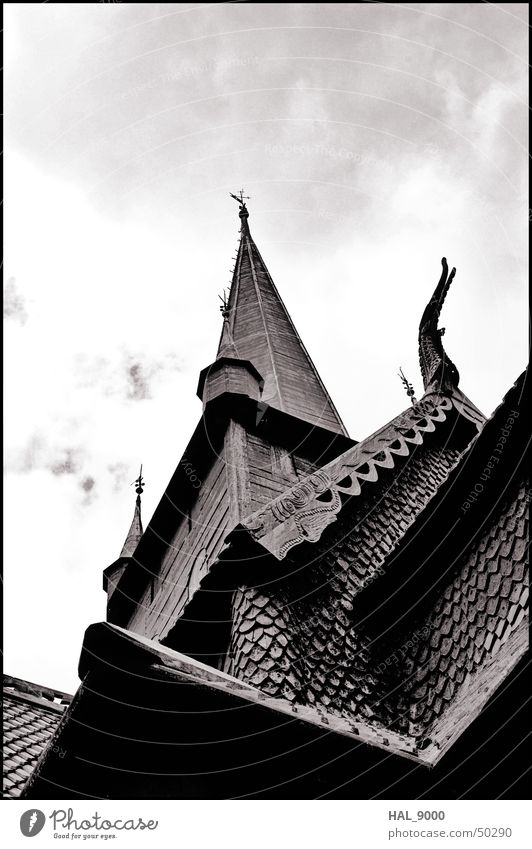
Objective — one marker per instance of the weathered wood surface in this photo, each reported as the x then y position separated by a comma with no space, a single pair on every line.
246,473
198,537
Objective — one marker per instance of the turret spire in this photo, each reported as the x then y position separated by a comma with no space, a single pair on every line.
257,328
135,531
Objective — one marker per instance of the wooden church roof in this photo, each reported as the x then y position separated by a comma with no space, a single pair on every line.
408,626
31,714
318,628
403,447
381,598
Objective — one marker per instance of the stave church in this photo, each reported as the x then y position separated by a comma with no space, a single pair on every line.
306,615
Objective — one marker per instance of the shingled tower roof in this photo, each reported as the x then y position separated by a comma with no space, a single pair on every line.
257,328
135,531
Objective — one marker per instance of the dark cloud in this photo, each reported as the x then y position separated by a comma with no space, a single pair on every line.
38,453
68,463
88,484
136,377
14,303
138,385
142,373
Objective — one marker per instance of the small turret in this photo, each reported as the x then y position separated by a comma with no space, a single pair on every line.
112,574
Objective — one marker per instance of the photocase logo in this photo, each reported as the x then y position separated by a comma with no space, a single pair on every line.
32,822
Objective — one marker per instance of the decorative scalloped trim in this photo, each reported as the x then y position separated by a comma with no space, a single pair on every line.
301,511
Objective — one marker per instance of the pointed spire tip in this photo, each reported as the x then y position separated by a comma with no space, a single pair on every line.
139,483
136,530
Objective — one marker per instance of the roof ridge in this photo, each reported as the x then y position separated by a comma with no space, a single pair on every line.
21,687
303,511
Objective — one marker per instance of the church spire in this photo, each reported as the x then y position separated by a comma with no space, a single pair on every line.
135,531
257,328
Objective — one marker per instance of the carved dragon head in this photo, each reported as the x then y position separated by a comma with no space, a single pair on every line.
438,371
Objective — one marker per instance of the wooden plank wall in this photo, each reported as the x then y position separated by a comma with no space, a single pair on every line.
246,474
197,540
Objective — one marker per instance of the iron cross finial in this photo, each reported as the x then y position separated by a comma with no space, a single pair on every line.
139,483
240,197
408,386
224,309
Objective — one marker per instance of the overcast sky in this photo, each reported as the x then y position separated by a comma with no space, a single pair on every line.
373,139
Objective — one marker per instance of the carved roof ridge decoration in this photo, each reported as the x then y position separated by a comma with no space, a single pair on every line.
302,513
437,369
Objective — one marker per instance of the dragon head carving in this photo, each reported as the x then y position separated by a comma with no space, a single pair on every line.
438,371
